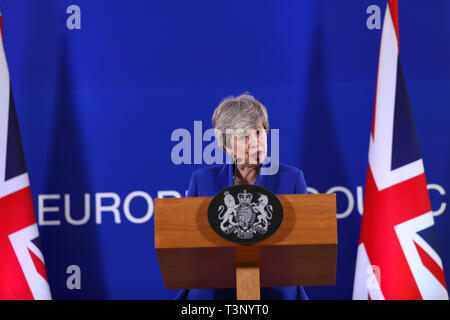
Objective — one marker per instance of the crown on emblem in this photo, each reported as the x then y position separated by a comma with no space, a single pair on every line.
245,197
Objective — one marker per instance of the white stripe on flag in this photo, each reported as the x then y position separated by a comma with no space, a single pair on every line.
21,181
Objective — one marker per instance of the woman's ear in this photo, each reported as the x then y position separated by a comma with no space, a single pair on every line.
228,148
229,152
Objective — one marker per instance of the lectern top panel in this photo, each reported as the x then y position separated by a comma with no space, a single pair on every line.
183,223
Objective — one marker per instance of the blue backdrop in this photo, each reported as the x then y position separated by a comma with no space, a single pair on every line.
97,107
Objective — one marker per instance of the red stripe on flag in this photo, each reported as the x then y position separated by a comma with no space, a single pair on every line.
17,213
372,131
383,210
1,26
431,265
393,8
13,284
40,266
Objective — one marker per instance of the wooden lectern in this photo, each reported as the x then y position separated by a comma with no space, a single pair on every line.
302,252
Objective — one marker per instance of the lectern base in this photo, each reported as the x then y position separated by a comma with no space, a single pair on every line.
248,282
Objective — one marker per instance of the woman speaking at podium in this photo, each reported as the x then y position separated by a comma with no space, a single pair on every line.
241,125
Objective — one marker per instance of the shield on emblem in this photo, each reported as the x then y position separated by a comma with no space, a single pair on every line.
245,216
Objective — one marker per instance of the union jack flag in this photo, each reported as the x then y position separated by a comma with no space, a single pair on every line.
397,254
22,268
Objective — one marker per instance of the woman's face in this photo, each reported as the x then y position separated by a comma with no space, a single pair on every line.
249,146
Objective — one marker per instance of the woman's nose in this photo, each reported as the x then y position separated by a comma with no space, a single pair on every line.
254,143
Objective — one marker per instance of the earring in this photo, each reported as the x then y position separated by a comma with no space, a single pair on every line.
238,160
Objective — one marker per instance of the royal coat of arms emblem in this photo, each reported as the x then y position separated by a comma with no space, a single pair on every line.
245,213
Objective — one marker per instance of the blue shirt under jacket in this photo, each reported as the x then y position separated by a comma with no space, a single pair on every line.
207,182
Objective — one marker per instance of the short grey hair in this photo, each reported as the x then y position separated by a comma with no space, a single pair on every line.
238,113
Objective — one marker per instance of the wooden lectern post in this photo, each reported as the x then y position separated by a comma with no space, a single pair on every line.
247,282
302,252
247,273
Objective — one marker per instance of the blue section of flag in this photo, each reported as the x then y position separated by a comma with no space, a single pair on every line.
15,161
405,147
429,235
37,243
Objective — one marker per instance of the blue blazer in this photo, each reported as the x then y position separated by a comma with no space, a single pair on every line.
207,182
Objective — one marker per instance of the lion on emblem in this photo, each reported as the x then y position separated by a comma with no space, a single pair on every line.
228,214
